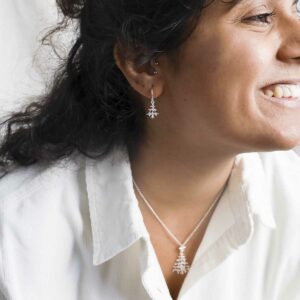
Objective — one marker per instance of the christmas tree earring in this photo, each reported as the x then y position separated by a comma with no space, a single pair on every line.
152,111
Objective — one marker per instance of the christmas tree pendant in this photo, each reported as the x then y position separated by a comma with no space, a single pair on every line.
181,265
152,112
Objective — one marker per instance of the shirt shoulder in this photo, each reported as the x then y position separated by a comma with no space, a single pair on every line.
38,180
282,169
288,161
282,173
34,202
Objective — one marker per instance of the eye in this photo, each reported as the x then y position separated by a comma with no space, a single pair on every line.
296,4
262,18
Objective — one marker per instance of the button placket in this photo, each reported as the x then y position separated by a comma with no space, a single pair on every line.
152,277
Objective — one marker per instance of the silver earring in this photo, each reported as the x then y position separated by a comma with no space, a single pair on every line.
155,63
152,111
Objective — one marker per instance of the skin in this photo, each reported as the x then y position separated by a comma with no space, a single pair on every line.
211,109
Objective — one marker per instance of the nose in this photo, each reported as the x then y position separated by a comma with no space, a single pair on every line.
290,46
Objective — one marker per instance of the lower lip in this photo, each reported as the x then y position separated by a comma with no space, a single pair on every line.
286,102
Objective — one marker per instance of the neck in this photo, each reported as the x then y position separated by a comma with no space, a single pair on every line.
180,182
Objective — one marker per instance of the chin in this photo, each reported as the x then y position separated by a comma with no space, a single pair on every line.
283,141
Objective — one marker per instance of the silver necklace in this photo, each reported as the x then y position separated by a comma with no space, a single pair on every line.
181,266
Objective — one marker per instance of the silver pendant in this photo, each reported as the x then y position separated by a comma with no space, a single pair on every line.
181,265
152,111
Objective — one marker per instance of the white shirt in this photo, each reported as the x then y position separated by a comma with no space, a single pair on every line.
74,231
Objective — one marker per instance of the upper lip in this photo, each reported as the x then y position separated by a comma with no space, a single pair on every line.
284,81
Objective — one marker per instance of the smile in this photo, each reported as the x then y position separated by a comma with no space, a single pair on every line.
292,103
284,95
283,91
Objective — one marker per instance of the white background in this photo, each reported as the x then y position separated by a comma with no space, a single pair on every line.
25,66
23,71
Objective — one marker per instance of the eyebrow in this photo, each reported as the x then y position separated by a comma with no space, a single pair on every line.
234,3
231,4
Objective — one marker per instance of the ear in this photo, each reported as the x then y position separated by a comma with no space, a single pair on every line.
141,78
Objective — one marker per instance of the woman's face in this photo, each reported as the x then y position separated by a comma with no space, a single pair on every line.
232,56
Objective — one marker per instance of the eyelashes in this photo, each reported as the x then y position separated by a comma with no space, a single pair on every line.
262,18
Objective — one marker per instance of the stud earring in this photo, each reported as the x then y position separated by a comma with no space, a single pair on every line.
152,111
155,63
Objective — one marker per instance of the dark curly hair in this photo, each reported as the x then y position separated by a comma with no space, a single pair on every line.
89,107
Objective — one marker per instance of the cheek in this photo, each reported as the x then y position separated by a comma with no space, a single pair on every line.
235,60
229,67
219,66
221,76
229,52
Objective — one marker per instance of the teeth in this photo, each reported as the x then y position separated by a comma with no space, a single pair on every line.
279,91
283,91
269,93
286,92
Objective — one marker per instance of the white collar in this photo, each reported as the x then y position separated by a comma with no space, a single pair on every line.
249,176
116,219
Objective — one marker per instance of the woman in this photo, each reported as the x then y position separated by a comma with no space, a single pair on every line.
159,166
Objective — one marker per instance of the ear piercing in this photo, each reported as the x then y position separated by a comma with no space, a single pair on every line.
152,111
155,63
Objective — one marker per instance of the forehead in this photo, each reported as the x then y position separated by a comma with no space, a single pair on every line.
233,3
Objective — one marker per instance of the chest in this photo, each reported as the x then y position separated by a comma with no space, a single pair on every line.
168,253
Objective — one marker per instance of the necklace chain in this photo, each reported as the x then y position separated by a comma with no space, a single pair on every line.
164,225
181,265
